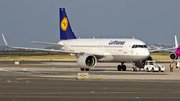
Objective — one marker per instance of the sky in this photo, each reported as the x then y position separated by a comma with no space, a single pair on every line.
152,21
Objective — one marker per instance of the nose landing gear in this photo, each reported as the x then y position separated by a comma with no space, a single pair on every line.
134,69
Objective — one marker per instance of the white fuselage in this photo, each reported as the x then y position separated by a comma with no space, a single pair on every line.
112,49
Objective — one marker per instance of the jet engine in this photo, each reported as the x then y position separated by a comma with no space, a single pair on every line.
86,61
173,56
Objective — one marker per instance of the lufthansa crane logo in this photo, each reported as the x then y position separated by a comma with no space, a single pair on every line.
64,24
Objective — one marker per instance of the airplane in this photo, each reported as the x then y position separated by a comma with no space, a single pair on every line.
174,54
91,51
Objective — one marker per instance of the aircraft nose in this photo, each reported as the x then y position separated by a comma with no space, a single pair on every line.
145,53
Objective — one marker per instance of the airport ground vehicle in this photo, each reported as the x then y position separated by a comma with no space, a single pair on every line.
152,66
177,63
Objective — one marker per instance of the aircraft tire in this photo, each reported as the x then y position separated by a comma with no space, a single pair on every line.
124,67
82,69
133,69
119,67
86,69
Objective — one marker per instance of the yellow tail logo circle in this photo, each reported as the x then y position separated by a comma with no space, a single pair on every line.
64,24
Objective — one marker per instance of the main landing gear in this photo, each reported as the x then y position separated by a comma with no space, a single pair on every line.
121,67
84,69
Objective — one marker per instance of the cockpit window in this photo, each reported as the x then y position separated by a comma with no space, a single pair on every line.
139,46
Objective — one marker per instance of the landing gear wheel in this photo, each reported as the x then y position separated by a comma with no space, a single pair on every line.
134,69
124,68
86,69
119,67
82,69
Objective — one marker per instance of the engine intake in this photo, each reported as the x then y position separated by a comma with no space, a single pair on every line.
173,56
86,61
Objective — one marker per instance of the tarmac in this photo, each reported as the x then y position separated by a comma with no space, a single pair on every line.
55,81
105,71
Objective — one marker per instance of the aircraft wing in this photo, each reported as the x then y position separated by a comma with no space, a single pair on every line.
45,43
167,50
47,50
39,49
98,55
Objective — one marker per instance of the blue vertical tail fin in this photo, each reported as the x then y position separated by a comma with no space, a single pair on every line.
65,28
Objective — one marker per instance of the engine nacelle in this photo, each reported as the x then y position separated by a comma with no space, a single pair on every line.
173,56
86,61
